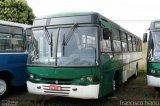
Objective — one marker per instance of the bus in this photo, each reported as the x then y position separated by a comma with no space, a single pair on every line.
80,55
153,54
13,57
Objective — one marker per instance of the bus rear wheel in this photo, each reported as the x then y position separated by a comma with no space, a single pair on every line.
3,88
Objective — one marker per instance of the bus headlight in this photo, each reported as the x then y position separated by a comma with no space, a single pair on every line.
31,76
90,78
83,78
34,77
153,71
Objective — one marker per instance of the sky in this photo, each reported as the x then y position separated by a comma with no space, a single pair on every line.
133,15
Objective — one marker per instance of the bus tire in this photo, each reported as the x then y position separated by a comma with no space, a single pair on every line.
3,88
115,82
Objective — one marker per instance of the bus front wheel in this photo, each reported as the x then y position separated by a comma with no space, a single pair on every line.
3,88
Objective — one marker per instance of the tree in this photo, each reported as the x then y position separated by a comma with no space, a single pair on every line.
16,11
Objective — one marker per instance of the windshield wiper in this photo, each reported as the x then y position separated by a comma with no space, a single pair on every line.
95,56
69,35
51,43
49,38
63,44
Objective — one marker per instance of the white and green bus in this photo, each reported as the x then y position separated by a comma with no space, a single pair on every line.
80,55
153,55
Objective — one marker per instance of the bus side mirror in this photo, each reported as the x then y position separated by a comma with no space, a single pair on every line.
144,37
106,34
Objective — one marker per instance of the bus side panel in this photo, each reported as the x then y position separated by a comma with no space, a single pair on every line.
106,83
109,68
16,64
126,67
130,60
106,72
134,58
118,68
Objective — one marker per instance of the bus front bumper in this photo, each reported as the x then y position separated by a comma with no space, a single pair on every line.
153,81
75,91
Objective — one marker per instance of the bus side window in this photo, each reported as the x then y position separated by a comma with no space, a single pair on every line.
138,45
124,42
28,41
116,40
17,43
134,43
5,42
130,42
106,45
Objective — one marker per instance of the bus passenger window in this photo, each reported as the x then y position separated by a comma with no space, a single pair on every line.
130,42
5,42
134,43
137,45
140,46
17,43
106,45
116,40
124,41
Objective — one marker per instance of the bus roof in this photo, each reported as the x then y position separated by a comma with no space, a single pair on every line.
69,14
2,22
115,25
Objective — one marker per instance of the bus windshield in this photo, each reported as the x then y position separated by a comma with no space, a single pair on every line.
64,46
154,47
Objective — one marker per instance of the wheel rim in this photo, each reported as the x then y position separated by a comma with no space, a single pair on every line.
3,87
136,71
114,85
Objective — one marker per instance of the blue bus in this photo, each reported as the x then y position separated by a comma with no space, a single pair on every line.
13,56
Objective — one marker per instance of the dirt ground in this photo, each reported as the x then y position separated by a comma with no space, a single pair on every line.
134,92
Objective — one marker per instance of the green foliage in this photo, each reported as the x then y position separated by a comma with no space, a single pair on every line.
16,11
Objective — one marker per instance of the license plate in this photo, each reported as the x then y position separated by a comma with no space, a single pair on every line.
55,87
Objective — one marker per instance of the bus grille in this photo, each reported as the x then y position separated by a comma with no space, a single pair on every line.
57,81
63,92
